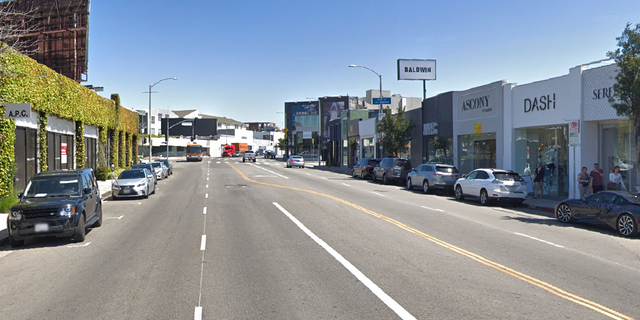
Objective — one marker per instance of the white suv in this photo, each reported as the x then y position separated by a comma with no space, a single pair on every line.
492,184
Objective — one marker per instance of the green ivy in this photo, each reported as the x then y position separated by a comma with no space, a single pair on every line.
42,140
80,154
7,160
113,136
128,149
134,148
102,147
121,152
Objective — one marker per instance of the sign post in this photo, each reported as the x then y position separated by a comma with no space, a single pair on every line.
574,141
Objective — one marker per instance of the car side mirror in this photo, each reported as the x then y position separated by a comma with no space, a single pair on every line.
86,190
464,176
20,195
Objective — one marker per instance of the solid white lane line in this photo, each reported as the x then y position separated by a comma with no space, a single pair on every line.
204,210
197,314
382,195
440,210
206,195
203,242
346,184
392,304
267,170
543,241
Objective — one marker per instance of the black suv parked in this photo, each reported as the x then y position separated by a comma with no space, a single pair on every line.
391,170
56,204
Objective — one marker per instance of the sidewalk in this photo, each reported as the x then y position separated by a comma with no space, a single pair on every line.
105,191
547,204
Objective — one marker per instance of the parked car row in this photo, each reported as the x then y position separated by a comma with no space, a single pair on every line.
65,203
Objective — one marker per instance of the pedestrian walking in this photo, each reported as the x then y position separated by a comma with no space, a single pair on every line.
615,180
583,183
538,181
597,177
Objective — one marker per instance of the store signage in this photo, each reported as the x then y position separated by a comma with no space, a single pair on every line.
17,110
603,93
476,105
540,103
63,153
477,127
415,69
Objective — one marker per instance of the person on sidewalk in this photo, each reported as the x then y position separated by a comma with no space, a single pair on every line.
597,179
583,183
538,181
615,180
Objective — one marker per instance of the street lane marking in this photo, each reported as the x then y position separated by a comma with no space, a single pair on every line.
267,170
4,254
206,195
440,210
207,186
217,161
204,210
382,195
344,184
203,242
207,178
307,173
392,304
119,218
325,178
80,245
478,258
197,314
534,238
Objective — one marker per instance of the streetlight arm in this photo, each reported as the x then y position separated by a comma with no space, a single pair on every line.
357,66
172,78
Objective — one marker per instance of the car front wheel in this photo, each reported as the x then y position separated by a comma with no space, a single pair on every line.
459,194
384,179
627,225
80,233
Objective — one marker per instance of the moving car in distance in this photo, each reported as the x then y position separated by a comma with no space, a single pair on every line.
56,204
248,156
295,161
489,185
364,167
615,209
195,152
270,154
228,150
431,176
133,183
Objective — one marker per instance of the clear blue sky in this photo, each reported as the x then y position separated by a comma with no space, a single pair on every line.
244,59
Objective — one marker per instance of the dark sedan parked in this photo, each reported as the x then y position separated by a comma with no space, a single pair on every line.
364,167
618,210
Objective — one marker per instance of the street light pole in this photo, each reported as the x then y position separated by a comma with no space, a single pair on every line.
380,108
149,115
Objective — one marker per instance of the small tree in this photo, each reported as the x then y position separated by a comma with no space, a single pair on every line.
626,97
396,131
442,144
281,144
16,26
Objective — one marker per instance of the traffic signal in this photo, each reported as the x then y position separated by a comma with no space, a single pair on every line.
262,127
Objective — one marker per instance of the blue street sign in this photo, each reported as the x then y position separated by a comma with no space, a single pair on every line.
382,100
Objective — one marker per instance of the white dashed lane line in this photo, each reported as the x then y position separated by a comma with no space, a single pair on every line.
344,184
534,238
203,242
267,170
204,210
439,210
382,195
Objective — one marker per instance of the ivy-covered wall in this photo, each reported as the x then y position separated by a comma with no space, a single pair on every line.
23,80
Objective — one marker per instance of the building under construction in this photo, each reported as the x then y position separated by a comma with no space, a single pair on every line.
53,32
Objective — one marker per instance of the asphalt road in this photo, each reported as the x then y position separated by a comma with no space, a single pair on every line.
231,240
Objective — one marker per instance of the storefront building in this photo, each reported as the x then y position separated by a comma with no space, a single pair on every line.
607,138
367,135
437,129
478,127
302,124
539,114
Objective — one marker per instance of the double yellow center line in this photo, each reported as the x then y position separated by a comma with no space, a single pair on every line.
529,279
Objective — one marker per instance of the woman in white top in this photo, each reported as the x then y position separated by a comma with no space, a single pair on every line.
616,177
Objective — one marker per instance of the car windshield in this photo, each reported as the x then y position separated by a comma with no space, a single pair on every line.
447,169
132,174
507,176
194,149
157,165
296,157
52,187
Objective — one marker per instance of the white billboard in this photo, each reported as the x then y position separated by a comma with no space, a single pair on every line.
415,69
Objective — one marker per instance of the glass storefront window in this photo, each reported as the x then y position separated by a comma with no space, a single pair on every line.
618,149
440,149
368,148
549,146
476,151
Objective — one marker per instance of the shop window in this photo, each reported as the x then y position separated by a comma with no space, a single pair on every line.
477,151
439,149
548,146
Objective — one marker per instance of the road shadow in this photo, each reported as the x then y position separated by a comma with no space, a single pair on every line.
45,242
